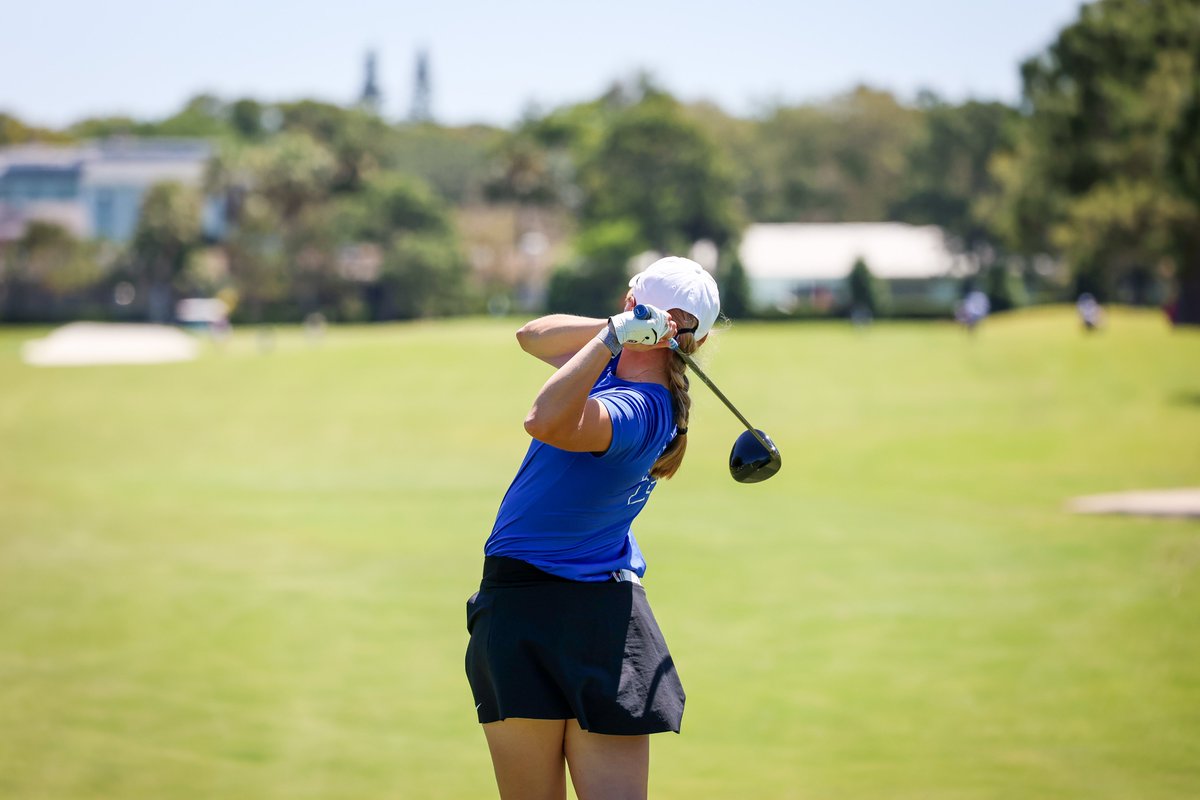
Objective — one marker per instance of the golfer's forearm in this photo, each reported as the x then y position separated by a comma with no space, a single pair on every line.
559,415
557,337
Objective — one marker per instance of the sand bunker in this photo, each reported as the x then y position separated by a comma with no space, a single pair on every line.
87,343
1159,503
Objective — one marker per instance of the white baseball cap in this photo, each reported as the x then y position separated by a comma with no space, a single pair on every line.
675,282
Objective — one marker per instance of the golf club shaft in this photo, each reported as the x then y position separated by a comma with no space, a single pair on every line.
700,374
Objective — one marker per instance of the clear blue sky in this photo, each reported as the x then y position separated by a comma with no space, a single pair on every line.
65,59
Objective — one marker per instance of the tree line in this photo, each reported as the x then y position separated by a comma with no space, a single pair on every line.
333,209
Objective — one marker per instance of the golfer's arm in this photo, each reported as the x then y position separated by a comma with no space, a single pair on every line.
557,337
563,415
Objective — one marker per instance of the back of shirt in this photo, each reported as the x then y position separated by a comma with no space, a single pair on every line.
570,513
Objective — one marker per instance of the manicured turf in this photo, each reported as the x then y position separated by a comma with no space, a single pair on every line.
244,577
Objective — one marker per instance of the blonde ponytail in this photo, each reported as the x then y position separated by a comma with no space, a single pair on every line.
677,381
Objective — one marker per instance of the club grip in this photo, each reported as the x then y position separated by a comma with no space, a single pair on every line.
641,312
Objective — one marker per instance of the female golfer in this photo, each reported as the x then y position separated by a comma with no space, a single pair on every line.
566,663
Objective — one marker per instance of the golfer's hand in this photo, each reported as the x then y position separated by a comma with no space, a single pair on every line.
655,328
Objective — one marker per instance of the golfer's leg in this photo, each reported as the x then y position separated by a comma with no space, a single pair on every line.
607,767
527,755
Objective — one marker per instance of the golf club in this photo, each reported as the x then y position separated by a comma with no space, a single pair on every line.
754,456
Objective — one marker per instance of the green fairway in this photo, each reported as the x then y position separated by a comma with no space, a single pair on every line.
245,576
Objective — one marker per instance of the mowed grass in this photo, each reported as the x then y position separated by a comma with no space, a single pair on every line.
244,577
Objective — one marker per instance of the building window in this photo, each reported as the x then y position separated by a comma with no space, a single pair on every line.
105,214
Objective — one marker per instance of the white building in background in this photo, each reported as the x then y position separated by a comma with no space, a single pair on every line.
797,266
95,189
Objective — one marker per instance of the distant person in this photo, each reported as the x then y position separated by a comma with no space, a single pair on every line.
861,316
1089,311
221,330
973,309
265,336
566,663
1171,309
314,327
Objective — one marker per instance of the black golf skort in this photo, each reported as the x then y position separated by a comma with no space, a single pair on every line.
544,647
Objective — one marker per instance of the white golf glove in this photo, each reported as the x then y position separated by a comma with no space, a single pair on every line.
644,325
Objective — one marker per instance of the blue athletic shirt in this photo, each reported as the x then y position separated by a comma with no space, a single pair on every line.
570,514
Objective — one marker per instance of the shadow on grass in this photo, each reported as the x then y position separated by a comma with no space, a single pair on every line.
1187,397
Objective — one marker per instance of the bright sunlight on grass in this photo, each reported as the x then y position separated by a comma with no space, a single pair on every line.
245,576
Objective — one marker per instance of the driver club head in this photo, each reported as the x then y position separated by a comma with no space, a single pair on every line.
750,462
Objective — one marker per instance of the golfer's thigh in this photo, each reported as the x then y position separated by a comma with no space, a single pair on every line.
527,755
607,767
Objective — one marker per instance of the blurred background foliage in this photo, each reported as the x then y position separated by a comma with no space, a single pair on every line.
336,210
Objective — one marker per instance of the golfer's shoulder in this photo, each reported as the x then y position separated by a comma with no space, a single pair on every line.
634,399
